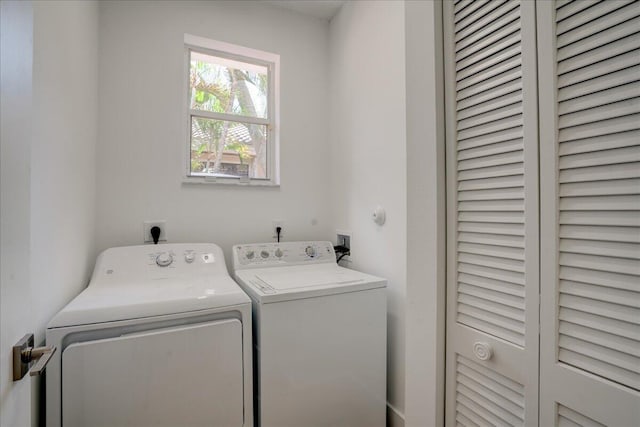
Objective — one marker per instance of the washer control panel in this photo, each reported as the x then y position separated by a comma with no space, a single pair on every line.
256,255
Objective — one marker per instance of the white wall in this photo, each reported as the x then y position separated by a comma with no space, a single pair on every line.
141,126
63,160
49,122
368,154
16,56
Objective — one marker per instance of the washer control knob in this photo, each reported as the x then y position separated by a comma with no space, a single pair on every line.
189,257
250,254
310,251
264,254
164,259
278,253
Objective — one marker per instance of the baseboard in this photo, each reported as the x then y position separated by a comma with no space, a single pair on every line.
394,417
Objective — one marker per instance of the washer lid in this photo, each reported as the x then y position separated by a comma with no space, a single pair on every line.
304,281
127,283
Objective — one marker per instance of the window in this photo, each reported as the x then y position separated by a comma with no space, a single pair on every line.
231,113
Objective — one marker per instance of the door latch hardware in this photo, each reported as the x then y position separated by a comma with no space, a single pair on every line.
24,353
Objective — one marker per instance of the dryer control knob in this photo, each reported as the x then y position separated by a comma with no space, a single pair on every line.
264,254
164,259
278,253
250,254
189,257
310,251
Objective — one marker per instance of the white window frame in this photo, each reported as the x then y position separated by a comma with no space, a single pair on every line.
252,56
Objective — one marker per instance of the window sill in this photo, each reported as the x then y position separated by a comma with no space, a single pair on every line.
229,181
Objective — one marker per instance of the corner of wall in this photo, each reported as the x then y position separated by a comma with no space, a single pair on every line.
425,216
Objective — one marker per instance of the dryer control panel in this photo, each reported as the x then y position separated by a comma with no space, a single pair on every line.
141,264
260,255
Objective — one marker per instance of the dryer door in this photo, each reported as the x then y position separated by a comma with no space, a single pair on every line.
181,376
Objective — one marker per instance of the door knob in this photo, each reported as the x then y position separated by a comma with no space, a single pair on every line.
482,350
24,353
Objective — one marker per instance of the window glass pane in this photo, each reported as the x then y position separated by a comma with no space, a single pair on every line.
228,149
228,86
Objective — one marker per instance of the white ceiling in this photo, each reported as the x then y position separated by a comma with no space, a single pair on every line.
323,9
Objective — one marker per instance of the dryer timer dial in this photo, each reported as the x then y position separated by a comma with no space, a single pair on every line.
164,259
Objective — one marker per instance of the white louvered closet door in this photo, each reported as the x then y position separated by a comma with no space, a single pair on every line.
492,213
590,212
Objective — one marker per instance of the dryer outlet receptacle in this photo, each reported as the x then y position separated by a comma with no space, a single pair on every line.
148,225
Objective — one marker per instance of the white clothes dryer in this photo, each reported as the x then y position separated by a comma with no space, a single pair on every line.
319,336
160,337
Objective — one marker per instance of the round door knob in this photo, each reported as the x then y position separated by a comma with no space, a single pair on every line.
164,259
250,254
482,350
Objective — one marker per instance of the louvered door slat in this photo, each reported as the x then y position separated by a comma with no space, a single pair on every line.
491,160
601,30
493,104
599,323
492,27
603,339
589,15
492,285
494,115
513,279
468,11
603,68
600,188
605,234
486,396
604,157
600,99
601,113
491,149
613,80
573,7
491,13
570,417
599,173
489,183
504,82
611,280
515,230
601,53
505,34
626,139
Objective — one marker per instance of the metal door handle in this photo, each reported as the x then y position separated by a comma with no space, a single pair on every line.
24,353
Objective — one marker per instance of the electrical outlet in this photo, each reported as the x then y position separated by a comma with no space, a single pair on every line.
343,238
277,223
146,229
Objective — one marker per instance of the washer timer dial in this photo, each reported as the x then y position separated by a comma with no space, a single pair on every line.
310,251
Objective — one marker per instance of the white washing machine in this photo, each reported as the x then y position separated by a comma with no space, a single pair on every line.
319,336
160,337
